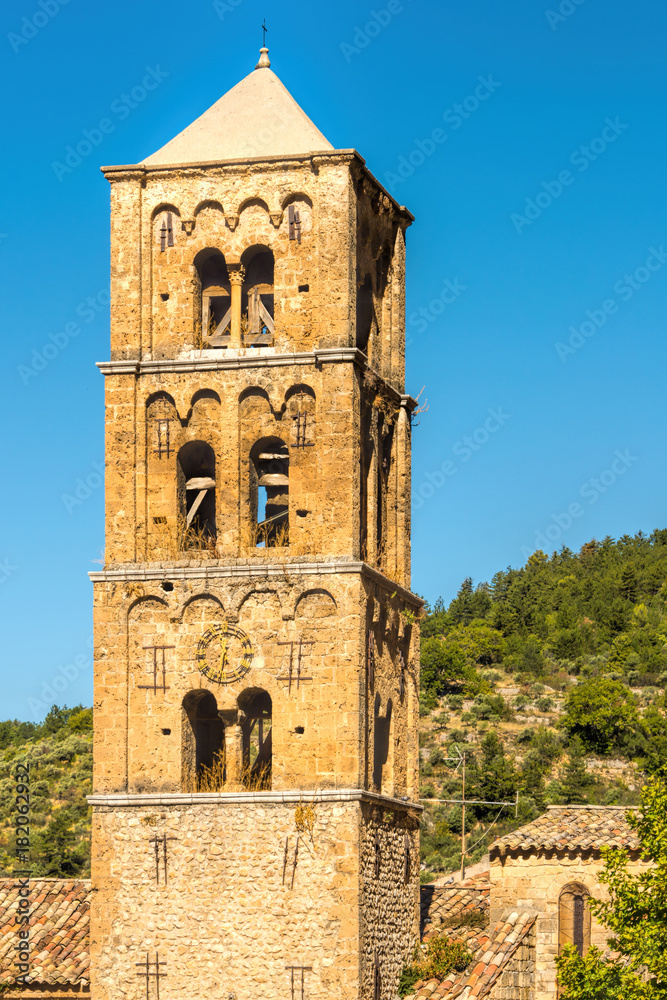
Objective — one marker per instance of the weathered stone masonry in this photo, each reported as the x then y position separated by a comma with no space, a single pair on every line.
256,640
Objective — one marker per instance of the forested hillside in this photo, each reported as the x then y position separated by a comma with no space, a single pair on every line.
59,752
552,680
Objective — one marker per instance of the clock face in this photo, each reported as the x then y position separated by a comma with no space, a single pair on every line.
224,653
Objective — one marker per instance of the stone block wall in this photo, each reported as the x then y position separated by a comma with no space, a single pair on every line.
234,910
349,479
351,236
534,882
517,981
333,729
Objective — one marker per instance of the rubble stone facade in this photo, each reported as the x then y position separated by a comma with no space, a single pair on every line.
256,640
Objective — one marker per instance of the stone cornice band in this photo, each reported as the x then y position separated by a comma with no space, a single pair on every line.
142,801
329,355
144,573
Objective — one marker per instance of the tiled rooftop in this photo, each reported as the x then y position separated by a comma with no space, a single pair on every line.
570,828
441,903
59,931
492,950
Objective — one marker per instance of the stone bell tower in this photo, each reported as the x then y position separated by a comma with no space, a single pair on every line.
255,806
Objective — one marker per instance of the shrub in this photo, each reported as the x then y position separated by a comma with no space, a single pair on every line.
442,956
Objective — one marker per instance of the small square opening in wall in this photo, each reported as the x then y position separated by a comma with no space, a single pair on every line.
166,732
167,586
302,513
304,288
164,296
300,730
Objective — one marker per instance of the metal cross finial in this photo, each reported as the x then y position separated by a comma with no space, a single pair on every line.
264,29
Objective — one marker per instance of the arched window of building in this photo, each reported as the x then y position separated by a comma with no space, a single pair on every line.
216,312
255,717
257,304
196,493
269,492
204,765
574,918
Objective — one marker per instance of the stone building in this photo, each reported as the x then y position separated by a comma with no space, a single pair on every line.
514,918
535,893
255,805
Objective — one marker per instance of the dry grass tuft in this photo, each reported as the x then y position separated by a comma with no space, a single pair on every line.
213,779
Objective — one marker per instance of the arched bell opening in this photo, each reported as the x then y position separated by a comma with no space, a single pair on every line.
255,711
257,298
269,492
204,758
215,298
196,495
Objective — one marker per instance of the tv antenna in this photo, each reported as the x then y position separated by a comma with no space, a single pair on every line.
460,762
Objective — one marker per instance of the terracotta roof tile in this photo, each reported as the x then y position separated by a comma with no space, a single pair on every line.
492,951
440,903
59,931
570,828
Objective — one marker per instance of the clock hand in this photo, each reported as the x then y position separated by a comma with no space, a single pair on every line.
223,656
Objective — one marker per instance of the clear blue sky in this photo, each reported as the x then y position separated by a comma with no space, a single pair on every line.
577,432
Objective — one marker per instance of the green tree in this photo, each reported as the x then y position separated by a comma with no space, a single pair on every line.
440,665
574,777
532,778
628,585
601,712
496,779
654,726
636,915
56,848
81,722
469,604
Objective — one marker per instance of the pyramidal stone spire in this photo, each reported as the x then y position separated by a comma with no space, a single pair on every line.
258,118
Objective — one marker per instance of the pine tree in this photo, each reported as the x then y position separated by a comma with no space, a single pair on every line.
628,586
497,780
574,776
